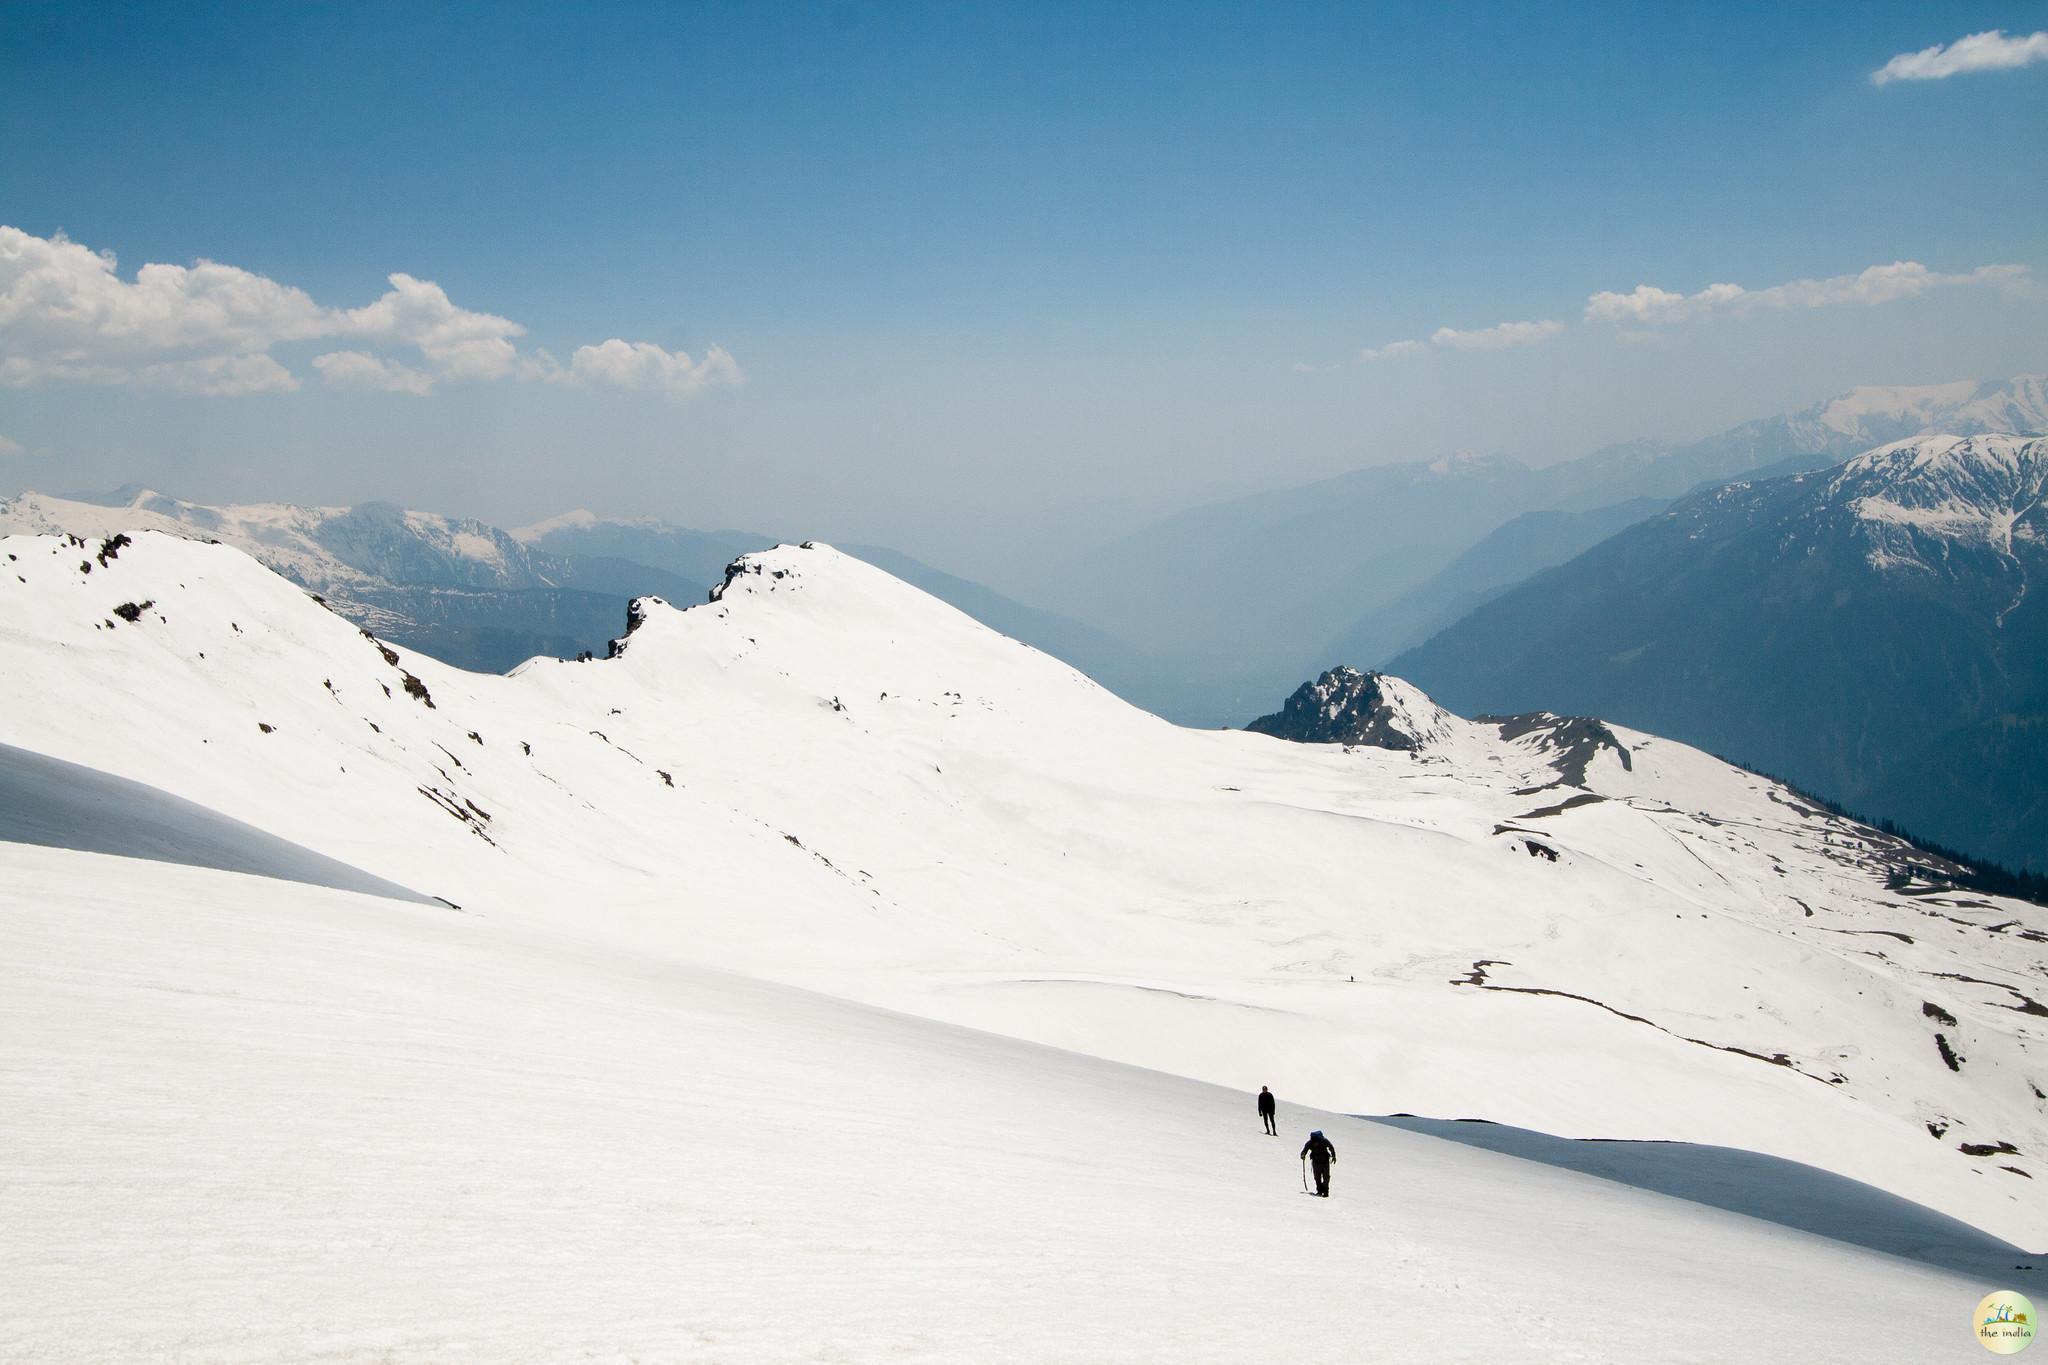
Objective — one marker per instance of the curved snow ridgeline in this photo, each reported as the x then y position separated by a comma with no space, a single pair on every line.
829,779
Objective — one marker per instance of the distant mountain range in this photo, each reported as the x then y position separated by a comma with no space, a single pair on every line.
463,591
486,599
1503,557
1445,567
1875,632
1253,593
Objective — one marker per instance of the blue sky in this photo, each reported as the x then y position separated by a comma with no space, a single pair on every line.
977,267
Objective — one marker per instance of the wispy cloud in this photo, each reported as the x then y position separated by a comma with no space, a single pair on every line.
67,317
1393,350
1498,337
1989,51
1649,306
642,365
10,448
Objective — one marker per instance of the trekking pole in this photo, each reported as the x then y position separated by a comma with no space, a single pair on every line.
1304,1175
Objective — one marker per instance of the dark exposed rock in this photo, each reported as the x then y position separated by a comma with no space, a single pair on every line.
1345,706
1987,1148
1574,740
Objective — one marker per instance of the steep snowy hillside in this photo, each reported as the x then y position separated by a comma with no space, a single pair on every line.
1874,632
250,1121
469,592
829,779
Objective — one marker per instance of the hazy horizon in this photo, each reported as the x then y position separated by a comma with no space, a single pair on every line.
979,285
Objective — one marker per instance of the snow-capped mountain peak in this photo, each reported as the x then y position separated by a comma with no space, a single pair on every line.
1983,491
1876,414
583,519
1347,706
1380,711
326,549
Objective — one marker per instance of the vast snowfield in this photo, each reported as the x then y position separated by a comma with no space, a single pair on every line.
684,1075
248,1120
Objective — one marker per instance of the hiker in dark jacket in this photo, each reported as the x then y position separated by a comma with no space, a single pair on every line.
1266,1107
1320,1152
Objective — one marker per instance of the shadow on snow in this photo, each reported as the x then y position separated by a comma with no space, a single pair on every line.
1764,1187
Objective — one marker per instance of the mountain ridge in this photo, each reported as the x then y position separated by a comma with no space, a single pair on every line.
1850,628
829,779
1360,554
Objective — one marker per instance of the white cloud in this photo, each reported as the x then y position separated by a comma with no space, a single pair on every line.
67,317
1498,337
1989,51
66,306
361,370
620,364
9,448
458,343
1648,306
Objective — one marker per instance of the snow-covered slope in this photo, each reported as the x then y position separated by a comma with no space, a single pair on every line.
829,779
1872,415
467,592
327,549
47,801
247,1121
1922,501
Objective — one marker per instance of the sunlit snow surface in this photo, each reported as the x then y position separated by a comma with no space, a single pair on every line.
250,1121
829,780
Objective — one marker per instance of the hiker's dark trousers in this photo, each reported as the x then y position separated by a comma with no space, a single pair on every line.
1322,1175
1270,1125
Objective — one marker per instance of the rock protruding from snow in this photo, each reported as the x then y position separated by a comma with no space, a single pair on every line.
1380,711
1346,706
1569,744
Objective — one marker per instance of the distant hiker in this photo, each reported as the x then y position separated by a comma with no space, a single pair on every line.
1320,1153
1266,1106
